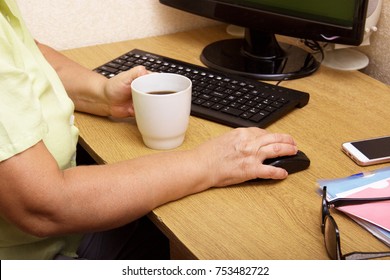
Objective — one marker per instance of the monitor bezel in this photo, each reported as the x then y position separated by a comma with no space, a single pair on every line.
280,24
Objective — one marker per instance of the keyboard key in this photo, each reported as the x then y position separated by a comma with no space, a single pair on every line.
232,111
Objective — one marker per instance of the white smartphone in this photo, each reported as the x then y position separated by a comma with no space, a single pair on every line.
368,151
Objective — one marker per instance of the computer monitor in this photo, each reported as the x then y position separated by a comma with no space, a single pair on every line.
259,55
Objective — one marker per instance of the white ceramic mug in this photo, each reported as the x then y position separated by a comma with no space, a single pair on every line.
162,104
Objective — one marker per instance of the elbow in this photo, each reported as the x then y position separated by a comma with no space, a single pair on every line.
38,232
40,224
34,227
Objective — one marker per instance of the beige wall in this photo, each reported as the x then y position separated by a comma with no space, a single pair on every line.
377,51
75,23
68,24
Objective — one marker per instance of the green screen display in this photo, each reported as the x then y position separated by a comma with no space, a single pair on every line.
338,12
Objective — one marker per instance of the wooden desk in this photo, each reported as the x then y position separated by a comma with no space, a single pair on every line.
267,220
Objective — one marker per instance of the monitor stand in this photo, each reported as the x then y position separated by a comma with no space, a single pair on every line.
259,56
345,59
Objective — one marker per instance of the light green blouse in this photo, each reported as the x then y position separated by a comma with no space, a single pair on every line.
34,106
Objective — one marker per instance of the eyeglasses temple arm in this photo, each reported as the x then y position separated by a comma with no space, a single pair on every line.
366,256
354,201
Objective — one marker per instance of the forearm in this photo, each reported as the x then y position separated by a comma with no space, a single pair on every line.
84,87
47,201
125,191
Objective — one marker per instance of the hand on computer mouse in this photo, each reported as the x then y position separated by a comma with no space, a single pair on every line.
236,156
291,164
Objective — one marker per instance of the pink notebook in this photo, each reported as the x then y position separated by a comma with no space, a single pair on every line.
377,213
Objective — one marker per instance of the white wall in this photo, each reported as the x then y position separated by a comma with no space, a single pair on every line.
76,23
65,24
378,51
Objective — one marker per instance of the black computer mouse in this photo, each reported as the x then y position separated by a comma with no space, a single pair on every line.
291,164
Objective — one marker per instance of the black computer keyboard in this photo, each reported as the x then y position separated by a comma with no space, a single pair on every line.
219,97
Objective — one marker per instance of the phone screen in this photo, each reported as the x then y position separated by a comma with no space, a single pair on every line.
374,148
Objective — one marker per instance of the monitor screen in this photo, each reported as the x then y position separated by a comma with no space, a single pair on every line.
259,55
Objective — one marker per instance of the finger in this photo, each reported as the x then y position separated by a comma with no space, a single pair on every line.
276,150
140,70
271,172
127,77
271,138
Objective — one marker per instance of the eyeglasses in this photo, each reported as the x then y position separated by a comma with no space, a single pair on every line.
331,231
